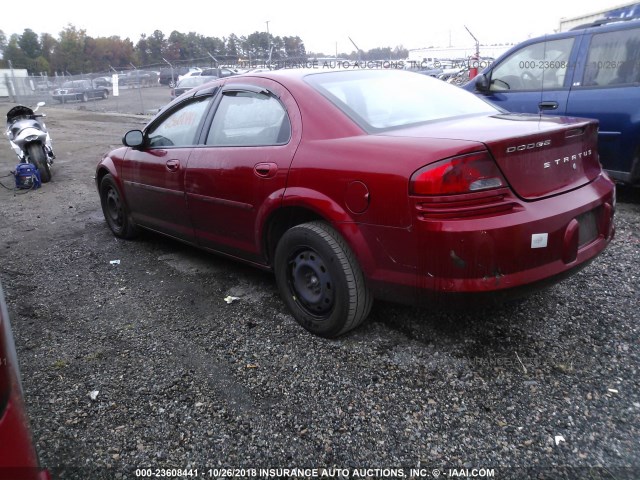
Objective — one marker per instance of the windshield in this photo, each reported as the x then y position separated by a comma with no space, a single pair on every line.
383,99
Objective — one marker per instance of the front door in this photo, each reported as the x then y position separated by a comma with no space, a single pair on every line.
535,78
154,176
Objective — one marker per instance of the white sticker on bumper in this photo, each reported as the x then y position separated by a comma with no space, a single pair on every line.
539,240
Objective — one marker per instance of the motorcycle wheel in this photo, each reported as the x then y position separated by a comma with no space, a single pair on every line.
39,159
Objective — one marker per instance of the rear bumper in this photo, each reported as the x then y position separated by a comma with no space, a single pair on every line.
66,96
496,248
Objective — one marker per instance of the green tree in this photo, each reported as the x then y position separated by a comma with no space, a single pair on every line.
233,45
294,47
3,42
39,66
400,53
48,44
104,52
156,44
142,50
215,47
29,43
69,55
175,46
257,45
14,54
193,46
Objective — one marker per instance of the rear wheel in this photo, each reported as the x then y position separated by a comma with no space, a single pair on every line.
105,94
115,210
320,280
39,159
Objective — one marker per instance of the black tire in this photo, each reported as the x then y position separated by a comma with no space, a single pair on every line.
320,280
115,211
39,159
85,97
105,94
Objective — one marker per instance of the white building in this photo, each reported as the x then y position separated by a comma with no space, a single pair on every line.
631,9
8,77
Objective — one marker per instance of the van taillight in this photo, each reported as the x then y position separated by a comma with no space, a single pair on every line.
462,174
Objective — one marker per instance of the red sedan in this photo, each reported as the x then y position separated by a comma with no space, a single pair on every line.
351,185
18,459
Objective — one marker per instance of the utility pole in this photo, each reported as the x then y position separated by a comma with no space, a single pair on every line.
270,46
357,48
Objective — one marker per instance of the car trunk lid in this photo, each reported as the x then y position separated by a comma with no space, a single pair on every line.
539,156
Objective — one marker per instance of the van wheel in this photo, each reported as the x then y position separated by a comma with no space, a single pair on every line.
319,279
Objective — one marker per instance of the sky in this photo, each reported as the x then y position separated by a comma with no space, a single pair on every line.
322,25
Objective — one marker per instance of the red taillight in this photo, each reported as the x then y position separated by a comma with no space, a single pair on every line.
462,174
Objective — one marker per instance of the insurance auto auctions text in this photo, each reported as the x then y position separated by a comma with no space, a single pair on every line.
340,473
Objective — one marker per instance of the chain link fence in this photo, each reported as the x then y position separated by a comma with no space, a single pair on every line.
134,92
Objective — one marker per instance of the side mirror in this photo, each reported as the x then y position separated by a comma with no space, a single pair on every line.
482,83
133,139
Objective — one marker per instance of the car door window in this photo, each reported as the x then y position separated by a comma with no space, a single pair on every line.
613,59
537,66
179,129
248,119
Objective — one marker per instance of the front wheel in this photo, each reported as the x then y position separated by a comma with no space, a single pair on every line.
39,159
319,279
84,98
115,210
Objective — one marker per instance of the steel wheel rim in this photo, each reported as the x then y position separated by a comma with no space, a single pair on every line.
114,207
310,283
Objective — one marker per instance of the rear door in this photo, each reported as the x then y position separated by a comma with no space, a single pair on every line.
239,174
607,87
536,77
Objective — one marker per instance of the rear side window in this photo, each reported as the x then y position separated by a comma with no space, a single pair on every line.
534,67
247,119
613,59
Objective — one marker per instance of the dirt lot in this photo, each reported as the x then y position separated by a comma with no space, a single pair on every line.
142,364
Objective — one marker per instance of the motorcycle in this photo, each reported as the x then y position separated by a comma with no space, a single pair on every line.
30,140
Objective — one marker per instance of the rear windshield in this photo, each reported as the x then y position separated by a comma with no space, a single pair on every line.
383,99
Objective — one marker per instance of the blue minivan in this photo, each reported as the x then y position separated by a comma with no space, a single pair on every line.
591,71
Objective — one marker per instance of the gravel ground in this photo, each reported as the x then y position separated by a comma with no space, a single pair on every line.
142,364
